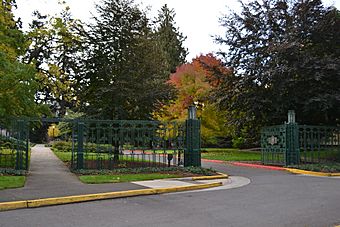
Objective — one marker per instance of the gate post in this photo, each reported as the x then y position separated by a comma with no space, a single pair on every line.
19,146
192,153
27,148
80,147
292,142
22,144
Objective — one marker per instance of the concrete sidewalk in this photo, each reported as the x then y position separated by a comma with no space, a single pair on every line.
49,177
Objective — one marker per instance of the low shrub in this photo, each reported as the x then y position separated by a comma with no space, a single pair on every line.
9,142
326,167
62,146
194,170
238,142
13,172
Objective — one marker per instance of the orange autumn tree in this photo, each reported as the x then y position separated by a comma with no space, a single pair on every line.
194,82
213,68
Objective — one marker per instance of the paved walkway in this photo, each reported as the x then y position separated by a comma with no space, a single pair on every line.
49,177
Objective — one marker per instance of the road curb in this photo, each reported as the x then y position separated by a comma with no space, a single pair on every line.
215,177
13,205
100,196
257,166
312,173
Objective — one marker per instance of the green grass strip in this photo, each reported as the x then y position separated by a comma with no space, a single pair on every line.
230,154
12,182
101,179
64,156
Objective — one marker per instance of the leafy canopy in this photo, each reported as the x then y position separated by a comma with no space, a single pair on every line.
285,55
17,80
55,51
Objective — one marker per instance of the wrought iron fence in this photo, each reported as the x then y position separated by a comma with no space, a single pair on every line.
293,144
14,146
118,144
319,144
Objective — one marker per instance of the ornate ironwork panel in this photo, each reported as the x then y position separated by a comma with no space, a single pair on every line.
273,145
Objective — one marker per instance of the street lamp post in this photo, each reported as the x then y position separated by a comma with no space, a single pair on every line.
192,113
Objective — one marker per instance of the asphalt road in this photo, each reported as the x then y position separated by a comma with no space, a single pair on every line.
273,198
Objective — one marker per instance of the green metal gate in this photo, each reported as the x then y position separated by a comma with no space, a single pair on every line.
293,144
127,144
273,145
279,145
107,144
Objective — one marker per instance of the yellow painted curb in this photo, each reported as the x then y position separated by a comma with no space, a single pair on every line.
112,195
299,171
88,197
100,196
13,205
220,176
187,188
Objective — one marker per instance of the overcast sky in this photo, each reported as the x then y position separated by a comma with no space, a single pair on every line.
197,19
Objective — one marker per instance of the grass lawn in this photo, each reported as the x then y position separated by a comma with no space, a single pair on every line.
63,156
12,182
162,151
100,179
229,154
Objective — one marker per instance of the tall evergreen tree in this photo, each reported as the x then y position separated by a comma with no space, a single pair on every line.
170,38
126,70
